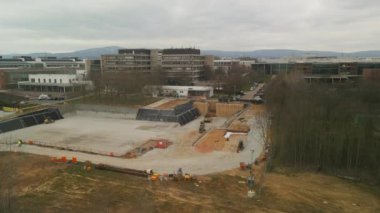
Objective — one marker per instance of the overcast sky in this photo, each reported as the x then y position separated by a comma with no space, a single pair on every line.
66,25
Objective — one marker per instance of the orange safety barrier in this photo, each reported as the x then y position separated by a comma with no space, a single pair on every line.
74,160
243,166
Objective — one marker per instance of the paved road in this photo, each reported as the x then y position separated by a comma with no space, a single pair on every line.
251,94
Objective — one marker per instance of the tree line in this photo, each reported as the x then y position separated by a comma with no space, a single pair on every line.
329,128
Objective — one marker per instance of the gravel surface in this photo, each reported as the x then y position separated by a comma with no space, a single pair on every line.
120,135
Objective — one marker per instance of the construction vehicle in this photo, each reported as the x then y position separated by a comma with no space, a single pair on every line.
154,177
240,146
202,128
87,166
207,120
48,120
187,177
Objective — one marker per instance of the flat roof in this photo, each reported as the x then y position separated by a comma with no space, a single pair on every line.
175,51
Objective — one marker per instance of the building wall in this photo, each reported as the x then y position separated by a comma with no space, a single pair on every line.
371,74
52,78
128,60
183,66
247,63
317,68
180,66
225,64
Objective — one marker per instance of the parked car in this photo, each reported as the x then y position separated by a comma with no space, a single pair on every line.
224,98
257,100
44,97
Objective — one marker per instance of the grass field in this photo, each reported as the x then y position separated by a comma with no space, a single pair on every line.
38,185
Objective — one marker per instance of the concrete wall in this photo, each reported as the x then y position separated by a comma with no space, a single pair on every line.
103,111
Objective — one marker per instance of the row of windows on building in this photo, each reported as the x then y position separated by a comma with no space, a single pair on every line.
121,57
47,81
130,63
200,63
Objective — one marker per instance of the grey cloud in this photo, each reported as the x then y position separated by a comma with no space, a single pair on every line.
55,25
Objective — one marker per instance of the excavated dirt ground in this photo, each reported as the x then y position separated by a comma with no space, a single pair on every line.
38,185
171,104
215,141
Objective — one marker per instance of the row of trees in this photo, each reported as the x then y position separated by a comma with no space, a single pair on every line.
325,127
230,82
234,80
125,83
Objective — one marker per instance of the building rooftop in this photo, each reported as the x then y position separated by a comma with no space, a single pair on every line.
174,51
134,51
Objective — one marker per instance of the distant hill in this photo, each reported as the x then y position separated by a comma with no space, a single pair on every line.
95,53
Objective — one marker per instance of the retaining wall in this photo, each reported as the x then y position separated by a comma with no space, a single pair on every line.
202,107
30,119
228,109
103,111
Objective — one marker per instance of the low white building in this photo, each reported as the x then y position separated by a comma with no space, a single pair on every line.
181,91
56,83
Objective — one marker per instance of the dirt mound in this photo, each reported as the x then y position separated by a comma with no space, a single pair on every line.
212,141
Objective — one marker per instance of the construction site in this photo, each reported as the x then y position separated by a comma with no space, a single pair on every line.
198,137
168,156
